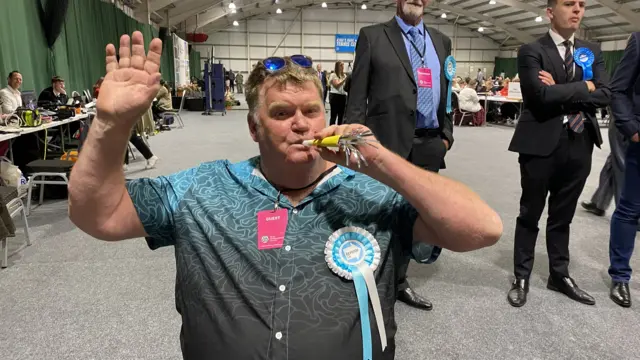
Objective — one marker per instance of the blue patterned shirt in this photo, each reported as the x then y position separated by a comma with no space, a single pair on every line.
239,302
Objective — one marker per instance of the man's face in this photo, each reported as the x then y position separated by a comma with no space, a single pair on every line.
288,115
567,14
319,67
411,9
58,86
15,81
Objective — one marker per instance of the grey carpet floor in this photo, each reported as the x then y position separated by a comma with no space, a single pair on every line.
72,297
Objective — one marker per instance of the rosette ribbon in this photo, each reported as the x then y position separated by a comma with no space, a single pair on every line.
449,73
354,254
584,57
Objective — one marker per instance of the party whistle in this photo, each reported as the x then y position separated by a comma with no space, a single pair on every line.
346,143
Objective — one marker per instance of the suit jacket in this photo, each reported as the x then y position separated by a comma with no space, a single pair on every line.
383,93
625,89
541,122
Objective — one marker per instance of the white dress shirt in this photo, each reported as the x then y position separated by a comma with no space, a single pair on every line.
10,100
559,40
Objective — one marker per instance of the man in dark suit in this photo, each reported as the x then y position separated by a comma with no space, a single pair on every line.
384,95
54,94
625,106
555,137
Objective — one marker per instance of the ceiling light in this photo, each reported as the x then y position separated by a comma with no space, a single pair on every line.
278,11
235,23
481,29
444,15
324,4
233,11
232,5
539,19
364,7
492,2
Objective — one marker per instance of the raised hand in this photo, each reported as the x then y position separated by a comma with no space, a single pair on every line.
130,84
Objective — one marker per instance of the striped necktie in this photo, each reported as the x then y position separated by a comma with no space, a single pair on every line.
425,94
568,60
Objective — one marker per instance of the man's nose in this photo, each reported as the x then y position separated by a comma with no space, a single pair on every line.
300,122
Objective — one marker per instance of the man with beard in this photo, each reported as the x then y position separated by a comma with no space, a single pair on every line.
564,82
385,96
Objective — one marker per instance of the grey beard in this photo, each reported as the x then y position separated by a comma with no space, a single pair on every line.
412,12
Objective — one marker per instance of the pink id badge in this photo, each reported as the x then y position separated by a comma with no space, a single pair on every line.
424,77
272,225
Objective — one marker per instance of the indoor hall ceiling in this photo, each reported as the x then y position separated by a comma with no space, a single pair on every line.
509,23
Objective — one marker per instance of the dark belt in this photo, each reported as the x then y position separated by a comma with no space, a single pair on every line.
427,132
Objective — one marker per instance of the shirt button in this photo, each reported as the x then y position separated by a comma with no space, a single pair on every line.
295,211
282,288
287,248
278,335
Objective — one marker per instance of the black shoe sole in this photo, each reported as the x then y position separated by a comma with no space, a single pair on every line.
619,303
515,304
553,288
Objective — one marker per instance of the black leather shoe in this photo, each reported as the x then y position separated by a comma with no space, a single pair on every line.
517,296
411,298
620,294
568,286
592,208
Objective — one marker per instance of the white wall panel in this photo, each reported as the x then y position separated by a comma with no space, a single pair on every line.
318,35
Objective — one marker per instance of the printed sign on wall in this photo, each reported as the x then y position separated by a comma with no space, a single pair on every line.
346,43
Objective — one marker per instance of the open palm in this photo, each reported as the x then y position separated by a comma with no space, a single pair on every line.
130,83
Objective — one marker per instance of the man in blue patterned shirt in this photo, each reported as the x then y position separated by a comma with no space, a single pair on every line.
243,292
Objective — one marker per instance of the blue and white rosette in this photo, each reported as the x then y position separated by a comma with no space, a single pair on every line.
353,254
584,57
449,73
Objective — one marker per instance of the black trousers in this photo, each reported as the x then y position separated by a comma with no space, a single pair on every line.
428,152
562,176
338,104
142,146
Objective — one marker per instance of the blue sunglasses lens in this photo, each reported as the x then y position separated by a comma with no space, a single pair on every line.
302,61
274,63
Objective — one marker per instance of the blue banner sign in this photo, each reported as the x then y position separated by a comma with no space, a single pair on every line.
346,43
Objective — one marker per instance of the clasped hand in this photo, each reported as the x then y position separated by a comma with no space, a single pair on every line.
131,83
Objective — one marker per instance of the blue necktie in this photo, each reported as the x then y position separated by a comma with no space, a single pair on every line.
425,94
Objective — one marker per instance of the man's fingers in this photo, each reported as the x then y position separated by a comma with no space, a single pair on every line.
125,52
112,61
152,64
137,50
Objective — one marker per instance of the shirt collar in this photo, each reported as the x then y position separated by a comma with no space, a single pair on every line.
406,27
248,173
558,40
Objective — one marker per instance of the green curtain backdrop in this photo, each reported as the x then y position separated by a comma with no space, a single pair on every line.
612,59
508,66
195,66
78,54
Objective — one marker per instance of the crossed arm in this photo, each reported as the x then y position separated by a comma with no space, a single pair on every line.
538,85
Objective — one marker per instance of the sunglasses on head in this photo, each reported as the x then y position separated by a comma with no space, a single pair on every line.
275,63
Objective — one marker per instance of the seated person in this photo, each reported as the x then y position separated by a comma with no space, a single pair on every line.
164,98
54,94
232,304
10,97
468,101
455,84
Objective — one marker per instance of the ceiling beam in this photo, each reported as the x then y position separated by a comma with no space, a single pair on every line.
189,8
514,32
523,6
156,5
624,11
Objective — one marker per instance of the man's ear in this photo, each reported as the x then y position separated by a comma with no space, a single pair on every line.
253,126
